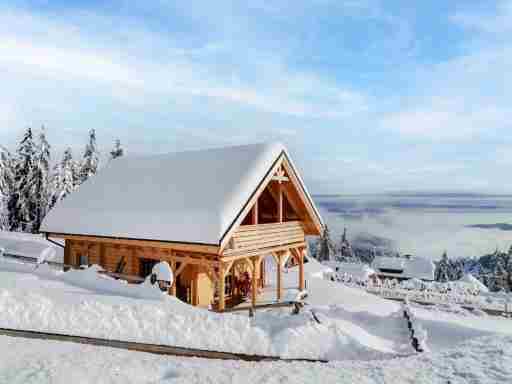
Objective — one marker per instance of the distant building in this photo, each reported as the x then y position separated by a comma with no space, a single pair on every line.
404,268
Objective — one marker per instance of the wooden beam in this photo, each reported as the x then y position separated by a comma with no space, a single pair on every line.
280,176
279,277
222,288
249,264
227,266
172,289
254,220
180,269
289,198
285,255
301,253
280,203
254,282
186,247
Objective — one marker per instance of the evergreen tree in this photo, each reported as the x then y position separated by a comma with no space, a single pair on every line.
442,272
326,246
117,151
20,206
90,159
65,178
6,186
39,181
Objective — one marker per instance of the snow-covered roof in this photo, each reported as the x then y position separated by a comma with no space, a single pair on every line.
357,270
415,267
29,245
191,196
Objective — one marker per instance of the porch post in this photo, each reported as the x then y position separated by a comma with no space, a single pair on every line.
279,277
301,253
173,285
254,282
280,202
222,299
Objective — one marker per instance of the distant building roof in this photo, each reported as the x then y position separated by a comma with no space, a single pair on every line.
192,196
359,271
407,268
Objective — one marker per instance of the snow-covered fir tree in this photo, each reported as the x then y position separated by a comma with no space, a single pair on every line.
90,160
326,246
21,204
117,151
6,187
65,179
442,273
39,181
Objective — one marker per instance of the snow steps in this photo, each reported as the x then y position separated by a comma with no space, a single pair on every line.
417,334
149,348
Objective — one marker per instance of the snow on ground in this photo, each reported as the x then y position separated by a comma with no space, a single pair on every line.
354,325
28,245
483,360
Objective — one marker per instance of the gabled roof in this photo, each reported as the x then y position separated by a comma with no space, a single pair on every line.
189,197
417,267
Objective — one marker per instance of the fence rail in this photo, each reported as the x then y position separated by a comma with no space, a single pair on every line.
432,298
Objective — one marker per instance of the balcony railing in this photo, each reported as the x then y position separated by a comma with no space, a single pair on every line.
250,238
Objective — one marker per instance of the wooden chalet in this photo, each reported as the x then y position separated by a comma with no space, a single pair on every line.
212,214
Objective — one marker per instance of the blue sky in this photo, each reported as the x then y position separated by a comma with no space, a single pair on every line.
369,96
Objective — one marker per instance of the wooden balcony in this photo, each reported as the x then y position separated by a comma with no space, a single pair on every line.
257,239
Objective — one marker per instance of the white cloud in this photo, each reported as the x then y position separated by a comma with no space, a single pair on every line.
491,21
442,119
165,71
466,97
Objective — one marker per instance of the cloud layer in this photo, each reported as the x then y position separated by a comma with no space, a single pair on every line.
368,97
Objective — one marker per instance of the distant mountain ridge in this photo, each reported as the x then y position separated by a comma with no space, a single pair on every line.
500,226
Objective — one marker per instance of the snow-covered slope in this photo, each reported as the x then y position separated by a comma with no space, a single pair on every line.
354,324
485,360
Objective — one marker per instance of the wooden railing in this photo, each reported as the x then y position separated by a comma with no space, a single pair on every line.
265,236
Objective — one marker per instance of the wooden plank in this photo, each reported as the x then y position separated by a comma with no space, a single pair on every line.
238,254
248,228
263,243
269,236
199,248
270,232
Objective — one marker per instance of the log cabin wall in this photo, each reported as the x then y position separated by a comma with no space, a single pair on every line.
195,282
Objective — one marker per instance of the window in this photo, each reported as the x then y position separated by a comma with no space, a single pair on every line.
83,260
146,266
388,270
